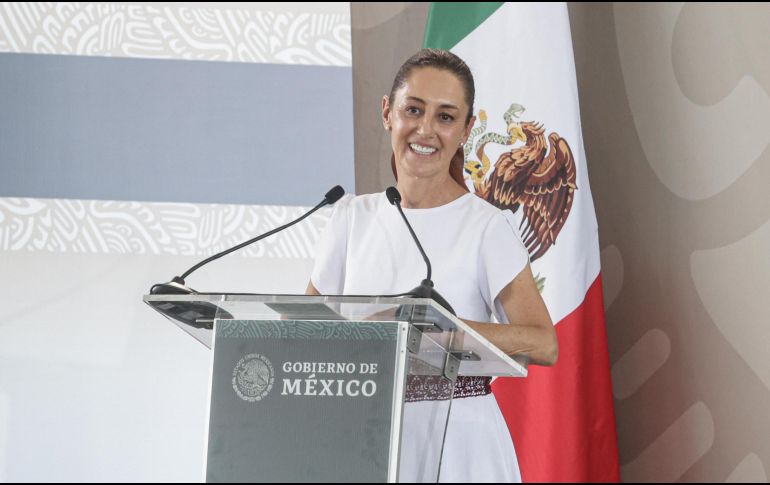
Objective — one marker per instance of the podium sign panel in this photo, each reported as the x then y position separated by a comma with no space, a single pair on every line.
303,401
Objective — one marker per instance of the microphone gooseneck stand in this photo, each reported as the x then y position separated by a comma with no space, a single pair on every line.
426,288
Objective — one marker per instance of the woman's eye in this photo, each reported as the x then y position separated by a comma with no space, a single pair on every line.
446,117
412,110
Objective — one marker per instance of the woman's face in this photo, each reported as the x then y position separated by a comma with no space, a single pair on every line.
427,120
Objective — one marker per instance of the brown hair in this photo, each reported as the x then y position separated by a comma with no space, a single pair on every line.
445,61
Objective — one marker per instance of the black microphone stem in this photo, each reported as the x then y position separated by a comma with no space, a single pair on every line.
250,241
425,290
414,236
177,285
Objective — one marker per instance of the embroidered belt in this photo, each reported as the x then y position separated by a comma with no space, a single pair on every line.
437,388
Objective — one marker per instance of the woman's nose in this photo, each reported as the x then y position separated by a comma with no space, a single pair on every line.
425,126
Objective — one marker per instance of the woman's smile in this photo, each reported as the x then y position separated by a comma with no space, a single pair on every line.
422,150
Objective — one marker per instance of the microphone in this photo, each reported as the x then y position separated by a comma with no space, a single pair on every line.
425,290
177,284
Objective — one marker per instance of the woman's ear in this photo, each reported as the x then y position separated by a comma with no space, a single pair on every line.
386,113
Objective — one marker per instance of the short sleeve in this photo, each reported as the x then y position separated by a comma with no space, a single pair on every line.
502,257
328,276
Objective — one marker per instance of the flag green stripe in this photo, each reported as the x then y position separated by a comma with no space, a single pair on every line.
450,22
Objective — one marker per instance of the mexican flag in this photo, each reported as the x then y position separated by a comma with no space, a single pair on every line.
526,154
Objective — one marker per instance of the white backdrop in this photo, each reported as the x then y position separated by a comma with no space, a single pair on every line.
94,385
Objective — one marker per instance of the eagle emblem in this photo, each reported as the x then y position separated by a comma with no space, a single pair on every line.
253,377
536,175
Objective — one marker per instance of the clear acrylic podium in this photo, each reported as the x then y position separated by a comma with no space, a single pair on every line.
330,389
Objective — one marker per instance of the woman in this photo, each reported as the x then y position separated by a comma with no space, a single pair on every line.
480,265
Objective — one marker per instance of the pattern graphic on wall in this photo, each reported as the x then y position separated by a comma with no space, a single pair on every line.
265,39
117,227
175,32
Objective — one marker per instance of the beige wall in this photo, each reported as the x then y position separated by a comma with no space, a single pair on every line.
676,119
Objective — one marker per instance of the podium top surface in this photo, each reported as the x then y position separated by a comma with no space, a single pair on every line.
196,313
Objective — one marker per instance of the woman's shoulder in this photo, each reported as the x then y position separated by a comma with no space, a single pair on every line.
362,203
483,211
468,206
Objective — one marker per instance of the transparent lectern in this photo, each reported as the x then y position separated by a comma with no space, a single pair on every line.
330,389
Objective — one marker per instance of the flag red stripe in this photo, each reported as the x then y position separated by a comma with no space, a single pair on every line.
562,418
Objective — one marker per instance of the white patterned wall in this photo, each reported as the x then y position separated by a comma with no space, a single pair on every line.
243,33
145,228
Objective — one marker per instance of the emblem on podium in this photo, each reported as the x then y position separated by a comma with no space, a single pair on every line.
253,377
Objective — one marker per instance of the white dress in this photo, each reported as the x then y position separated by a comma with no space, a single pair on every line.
475,252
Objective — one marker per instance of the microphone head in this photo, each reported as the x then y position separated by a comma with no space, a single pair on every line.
334,194
393,196
174,287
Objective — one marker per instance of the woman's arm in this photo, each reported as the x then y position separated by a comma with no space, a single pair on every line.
530,330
